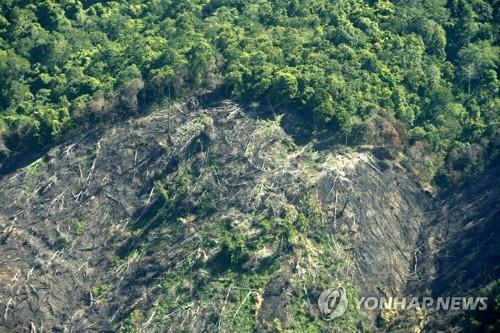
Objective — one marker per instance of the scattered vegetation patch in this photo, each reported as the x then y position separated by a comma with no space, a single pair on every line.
485,321
79,228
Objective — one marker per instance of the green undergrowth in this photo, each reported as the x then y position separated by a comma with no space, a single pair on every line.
226,271
163,212
33,173
485,321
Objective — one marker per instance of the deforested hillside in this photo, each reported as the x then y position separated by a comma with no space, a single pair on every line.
214,219
200,220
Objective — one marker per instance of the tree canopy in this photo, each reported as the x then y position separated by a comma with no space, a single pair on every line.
429,66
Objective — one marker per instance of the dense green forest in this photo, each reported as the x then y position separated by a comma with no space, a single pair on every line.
421,75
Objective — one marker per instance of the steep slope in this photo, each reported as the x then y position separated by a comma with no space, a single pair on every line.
459,250
210,219
197,220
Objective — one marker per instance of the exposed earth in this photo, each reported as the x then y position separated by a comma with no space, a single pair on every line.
216,219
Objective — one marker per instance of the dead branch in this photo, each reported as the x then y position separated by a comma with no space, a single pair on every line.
333,185
243,302
91,172
6,313
30,272
135,165
9,259
224,305
59,197
335,209
179,310
85,264
91,299
150,195
68,149
14,280
91,325
150,319
343,209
